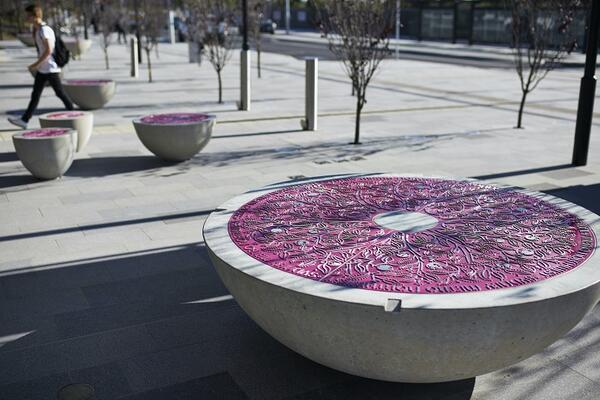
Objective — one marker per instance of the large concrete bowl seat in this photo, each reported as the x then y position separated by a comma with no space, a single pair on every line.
47,153
90,94
81,121
175,136
77,47
27,39
407,279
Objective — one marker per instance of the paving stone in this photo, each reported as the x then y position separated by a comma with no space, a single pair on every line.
218,386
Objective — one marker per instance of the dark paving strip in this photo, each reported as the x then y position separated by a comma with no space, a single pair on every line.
105,225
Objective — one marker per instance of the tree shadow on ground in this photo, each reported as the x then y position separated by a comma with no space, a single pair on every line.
154,325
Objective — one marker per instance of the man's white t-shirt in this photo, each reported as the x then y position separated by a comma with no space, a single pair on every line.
45,32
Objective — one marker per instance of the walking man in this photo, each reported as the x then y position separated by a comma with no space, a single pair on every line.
45,68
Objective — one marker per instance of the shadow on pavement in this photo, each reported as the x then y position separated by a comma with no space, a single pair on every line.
8,157
157,325
586,196
102,166
7,181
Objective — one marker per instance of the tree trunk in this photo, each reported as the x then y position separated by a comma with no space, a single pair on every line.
521,107
258,61
359,106
149,65
106,58
220,87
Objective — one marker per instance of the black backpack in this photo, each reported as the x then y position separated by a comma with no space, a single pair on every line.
60,54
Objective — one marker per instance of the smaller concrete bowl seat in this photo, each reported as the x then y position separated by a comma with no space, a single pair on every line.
26,39
90,94
408,278
48,152
77,47
175,136
81,121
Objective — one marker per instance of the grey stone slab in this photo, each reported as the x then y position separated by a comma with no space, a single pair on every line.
107,379
566,174
27,331
96,197
218,386
56,302
179,286
162,319
172,366
43,388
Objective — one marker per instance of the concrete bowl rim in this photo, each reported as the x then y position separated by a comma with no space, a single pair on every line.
138,120
216,238
19,135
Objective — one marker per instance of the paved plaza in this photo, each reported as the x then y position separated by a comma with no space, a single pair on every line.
104,277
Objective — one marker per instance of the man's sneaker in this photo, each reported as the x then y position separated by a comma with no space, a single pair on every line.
18,122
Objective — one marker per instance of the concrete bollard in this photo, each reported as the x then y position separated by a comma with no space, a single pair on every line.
172,26
135,69
244,103
309,123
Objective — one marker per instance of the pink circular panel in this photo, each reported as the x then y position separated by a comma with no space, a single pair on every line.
411,235
65,114
45,132
174,118
87,82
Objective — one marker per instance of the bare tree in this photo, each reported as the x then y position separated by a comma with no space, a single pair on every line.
358,34
151,21
255,17
542,38
213,19
107,19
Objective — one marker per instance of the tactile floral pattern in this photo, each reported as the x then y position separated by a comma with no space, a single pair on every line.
45,132
174,118
66,114
487,237
87,82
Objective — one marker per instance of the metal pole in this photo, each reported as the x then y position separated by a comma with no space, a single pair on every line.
245,24
587,91
244,103
397,29
134,60
287,17
137,30
309,123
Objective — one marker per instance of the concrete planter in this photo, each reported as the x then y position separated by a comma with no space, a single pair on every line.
176,136
82,122
77,47
26,39
90,94
348,274
46,153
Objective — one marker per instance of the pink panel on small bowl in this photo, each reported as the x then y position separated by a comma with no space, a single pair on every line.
45,132
65,114
174,118
486,237
87,82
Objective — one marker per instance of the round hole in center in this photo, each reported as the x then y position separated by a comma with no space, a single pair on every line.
404,221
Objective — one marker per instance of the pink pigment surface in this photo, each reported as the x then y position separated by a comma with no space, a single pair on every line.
174,118
87,82
487,237
65,114
45,132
